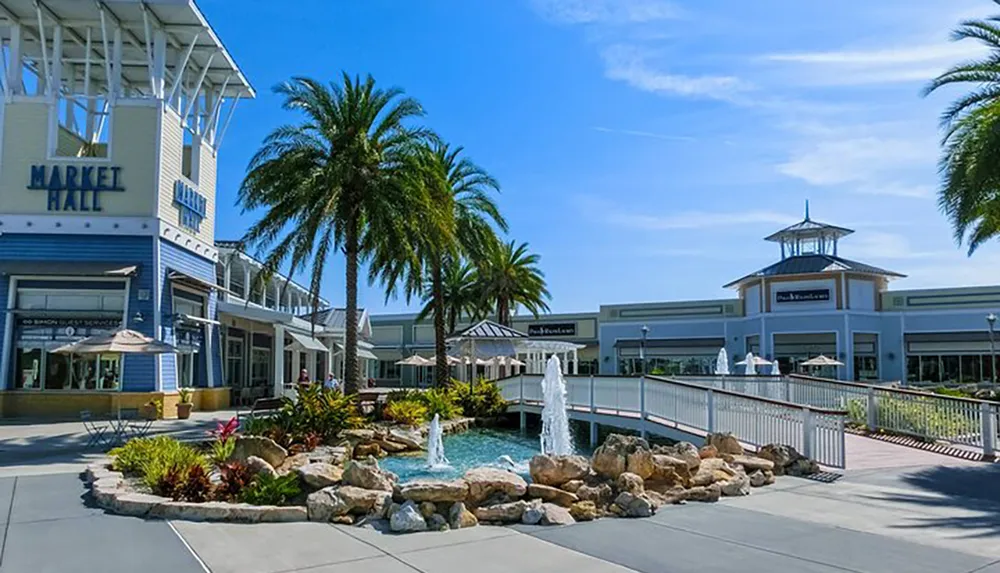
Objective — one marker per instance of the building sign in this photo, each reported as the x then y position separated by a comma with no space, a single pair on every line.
192,205
561,329
75,188
812,295
62,328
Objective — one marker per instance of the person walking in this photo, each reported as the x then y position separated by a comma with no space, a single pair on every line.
331,383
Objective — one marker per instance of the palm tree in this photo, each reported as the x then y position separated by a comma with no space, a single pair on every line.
337,180
461,205
508,276
970,159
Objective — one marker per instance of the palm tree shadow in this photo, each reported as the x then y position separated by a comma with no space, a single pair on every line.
971,491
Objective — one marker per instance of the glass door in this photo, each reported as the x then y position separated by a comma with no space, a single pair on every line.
260,369
234,362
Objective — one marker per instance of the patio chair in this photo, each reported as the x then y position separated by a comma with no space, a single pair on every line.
95,433
140,427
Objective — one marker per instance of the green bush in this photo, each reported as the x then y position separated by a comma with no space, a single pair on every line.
266,489
440,401
153,458
916,416
317,411
402,395
480,400
408,412
221,451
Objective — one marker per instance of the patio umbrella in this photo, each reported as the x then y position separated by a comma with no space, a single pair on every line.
122,341
452,361
822,361
415,360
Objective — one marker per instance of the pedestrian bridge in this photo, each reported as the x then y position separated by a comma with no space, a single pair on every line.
811,414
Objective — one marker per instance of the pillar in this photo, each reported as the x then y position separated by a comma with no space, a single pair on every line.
576,362
279,360
296,364
246,283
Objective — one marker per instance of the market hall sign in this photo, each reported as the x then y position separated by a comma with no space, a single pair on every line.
813,295
75,188
562,329
193,205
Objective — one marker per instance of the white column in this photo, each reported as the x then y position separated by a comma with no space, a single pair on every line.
311,364
246,283
296,364
279,360
159,62
263,295
576,362
209,345
15,73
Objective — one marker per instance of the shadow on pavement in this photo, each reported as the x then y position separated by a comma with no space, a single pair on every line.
971,488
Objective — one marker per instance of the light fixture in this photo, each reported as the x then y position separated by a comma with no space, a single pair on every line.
138,318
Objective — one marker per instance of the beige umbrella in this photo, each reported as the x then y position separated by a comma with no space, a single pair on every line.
118,342
757,361
415,360
452,361
822,361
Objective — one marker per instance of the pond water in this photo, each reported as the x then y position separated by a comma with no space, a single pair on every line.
474,448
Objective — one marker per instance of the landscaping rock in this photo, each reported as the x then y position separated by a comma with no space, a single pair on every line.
557,470
631,505
362,451
640,463
437,522
261,447
293,463
502,512
712,470
135,504
343,520
366,474
758,479
436,491
600,494
391,447
320,475
671,469
486,482
552,494
685,451
357,436
259,466
459,517
753,463
330,502
572,485
708,494
553,514
779,454
583,511
333,455
412,439
533,513
739,485
611,459
802,467
407,519
629,482
708,452
725,443
427,509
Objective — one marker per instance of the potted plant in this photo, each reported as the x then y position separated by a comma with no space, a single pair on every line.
152,410
185,405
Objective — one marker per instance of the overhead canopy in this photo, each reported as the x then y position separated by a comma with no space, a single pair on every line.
488,330
305,342
69,268
195,282
367,354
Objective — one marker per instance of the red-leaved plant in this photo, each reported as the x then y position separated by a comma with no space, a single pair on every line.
225,431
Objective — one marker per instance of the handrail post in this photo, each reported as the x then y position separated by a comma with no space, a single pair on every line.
593,407
808,432
711,411
520,406
872,410
989,429
642,405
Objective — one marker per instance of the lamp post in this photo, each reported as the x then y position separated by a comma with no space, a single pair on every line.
642,349
991,320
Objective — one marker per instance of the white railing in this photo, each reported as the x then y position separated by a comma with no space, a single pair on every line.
880,408
816,432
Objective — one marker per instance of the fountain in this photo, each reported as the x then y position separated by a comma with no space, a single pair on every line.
722,363
751,368
775,368
435,446
556,439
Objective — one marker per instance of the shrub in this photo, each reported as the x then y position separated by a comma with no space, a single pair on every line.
916,416
266,489
168,483
154,458
196,487
480,400
318,410
306,443
225,431
402,395
234,477
408,412
221,451
441,402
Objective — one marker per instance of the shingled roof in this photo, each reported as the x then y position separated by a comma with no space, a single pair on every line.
812,264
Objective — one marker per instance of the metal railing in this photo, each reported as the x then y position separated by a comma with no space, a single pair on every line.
816,432
913,413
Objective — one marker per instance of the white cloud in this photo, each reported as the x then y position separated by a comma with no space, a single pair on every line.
648,134
890,246
611,214
628,64
606,11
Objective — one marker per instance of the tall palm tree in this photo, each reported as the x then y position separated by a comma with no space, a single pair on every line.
508,276
460,189
970,159
337,180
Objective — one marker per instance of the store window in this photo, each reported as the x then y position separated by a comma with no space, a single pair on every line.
388,370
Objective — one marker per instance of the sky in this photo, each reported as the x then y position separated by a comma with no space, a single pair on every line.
645,147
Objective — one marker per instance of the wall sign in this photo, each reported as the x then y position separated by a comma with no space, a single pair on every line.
75,188
812,295
192,205
560,329
65,322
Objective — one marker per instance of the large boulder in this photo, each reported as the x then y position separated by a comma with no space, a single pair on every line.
366,474
553,514
370,449
552,494
412,439
435,491
502,512
557,470
712,470
391,447
533,513
407,519
261,447
709,494
725,443
584,511
671,469
333,455
485,483
319,475
437,522
632,505
753,463
736,486
459,517
630,483
330,502
788,461
640,463
259,466
600,494
611,459
572,485
683,451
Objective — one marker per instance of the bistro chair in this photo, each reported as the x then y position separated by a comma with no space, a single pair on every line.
95,433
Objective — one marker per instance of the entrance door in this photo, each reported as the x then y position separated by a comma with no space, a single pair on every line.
185,370
260,372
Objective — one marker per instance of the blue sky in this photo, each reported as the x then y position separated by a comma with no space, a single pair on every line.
644,147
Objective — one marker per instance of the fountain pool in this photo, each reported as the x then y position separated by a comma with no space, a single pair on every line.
474,448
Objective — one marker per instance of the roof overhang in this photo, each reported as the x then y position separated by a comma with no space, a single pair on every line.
68,268
195,282
304,342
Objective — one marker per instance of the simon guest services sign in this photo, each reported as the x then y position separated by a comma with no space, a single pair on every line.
75,187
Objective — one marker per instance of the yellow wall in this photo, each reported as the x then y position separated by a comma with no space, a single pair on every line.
171,170
133,148
67,405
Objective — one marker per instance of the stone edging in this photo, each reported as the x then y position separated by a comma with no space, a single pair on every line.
109,493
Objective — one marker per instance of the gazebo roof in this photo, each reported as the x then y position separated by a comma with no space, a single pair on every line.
488,330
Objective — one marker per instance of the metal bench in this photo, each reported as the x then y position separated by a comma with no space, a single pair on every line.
262,407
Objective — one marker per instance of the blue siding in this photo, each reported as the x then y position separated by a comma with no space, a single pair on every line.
173,257
138,371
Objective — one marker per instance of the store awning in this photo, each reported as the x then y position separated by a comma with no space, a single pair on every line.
305,342
75,269
195,282
364,353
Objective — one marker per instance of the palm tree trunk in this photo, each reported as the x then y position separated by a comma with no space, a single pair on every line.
441,373
352,374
